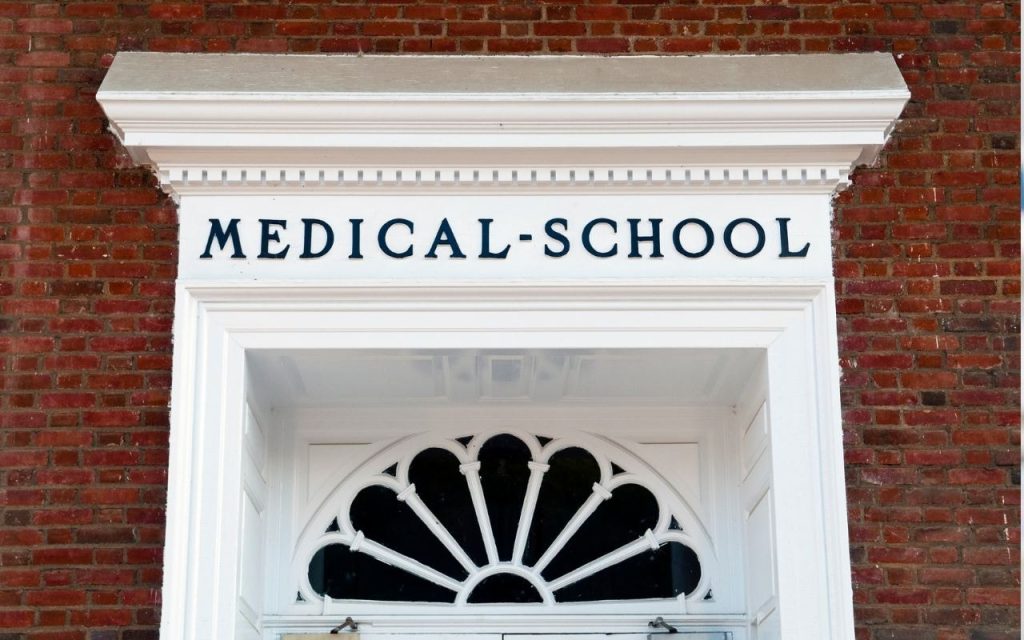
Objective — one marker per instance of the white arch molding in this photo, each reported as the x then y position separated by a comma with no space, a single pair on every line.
522,140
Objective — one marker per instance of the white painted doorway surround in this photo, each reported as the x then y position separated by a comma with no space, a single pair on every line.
625,257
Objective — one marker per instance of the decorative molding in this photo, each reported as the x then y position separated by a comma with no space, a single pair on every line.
250,297
455,122
342,180
743,122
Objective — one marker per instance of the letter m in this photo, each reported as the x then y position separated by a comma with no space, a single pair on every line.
221,235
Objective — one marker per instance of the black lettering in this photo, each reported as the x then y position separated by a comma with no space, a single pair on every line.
784,241
557,236
267,236
356,254
728,238
382,237
307,238
485,242
445,236
221,235
677,238
590,247
635,238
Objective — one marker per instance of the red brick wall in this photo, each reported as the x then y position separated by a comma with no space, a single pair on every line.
927,256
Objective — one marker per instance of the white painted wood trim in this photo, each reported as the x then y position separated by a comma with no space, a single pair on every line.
217,325
771,122
506,75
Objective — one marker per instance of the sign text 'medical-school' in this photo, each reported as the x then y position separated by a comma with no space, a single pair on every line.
402,238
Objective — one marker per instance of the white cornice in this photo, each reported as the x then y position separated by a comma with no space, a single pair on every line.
287,135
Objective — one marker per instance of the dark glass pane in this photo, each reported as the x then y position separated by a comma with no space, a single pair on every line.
567,484
378,513
543,440
343,575
666,573
333,527
504,475
443,488
464,440
621,519
504,588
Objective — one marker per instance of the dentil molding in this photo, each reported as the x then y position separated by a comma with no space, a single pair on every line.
284,123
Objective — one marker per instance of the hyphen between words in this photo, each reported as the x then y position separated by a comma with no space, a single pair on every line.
400,238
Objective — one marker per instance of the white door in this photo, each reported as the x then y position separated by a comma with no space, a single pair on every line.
683,635
654,635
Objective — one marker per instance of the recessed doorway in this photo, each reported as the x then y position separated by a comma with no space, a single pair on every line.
503,482
320,418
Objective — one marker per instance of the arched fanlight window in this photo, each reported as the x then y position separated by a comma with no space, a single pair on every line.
502,518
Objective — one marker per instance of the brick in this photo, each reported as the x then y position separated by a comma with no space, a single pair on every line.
928,380
602,45
61,556
977,476
903,596
588,13
170,11
43,59
896,555
934,457
66,400
1008,597
54,598
513,12
546,29
478,29
772,12
43,25
16,619
109,496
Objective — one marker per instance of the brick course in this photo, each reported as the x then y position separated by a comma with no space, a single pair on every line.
927,257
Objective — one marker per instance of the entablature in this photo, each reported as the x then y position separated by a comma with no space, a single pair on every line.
287,123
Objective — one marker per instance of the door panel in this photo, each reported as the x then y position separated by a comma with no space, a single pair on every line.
370,635
427,636
577,636
688,635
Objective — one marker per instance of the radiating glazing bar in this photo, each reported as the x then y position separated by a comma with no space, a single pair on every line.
537,471
624,552
599,495
472,472
382,553
411,498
